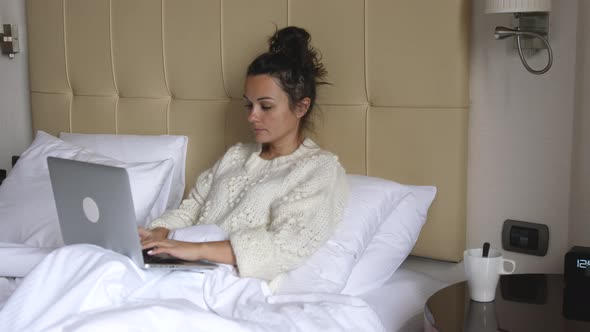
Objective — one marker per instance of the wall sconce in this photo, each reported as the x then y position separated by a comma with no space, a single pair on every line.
531,27
9,40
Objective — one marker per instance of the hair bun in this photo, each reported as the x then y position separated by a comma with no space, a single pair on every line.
292,42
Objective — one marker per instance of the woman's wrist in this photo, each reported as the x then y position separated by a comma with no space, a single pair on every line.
200,250
203,250
216,251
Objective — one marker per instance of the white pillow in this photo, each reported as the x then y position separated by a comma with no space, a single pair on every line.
198,233
327,270
19,259
392,243
141,148
27,207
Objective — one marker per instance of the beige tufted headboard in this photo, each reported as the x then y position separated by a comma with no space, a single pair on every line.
397,109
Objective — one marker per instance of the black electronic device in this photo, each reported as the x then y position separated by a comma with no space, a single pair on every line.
576,274
577,266
575,303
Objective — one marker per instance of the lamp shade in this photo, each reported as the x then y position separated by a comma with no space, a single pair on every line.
517,6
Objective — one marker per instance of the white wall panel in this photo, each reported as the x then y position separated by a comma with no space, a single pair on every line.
520,136
579,228
15,113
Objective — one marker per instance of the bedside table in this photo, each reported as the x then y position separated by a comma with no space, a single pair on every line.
524,302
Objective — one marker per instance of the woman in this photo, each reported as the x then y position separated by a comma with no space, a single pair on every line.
278,200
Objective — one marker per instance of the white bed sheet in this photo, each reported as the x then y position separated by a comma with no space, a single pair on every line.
7,287
94,287
398,304
18,259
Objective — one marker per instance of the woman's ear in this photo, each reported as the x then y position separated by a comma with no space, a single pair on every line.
302,107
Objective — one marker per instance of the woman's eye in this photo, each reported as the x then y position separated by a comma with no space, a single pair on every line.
248,107
266,107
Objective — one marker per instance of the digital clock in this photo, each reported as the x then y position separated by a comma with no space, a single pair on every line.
577,266
576,293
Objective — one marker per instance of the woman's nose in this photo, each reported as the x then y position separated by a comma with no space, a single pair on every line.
252,115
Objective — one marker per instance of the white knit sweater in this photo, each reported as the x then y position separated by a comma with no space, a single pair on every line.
276,212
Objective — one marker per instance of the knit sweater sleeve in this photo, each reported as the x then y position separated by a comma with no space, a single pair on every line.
186,214
301,221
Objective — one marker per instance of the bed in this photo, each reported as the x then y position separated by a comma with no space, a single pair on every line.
396,110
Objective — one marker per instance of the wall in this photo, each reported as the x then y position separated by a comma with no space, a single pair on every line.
579,230
15,114
520,136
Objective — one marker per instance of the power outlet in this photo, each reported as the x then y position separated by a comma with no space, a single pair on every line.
525,237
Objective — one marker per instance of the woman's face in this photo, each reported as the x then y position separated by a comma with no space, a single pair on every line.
269,114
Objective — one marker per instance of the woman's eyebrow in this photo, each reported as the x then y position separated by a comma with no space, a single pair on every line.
259,99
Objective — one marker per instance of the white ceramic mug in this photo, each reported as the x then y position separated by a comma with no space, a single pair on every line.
483,273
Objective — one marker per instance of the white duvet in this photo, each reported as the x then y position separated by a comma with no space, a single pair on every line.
87,288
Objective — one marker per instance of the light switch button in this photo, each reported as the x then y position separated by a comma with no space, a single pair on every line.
525,237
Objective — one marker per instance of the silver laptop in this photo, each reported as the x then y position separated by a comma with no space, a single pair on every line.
95,206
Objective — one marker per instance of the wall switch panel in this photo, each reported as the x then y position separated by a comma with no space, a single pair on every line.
525,237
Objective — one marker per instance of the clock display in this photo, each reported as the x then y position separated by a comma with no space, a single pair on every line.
577,266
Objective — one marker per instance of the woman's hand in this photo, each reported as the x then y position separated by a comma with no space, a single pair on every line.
190,251
215,251
156,234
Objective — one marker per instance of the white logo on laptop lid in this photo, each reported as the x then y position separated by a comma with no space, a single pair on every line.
90,209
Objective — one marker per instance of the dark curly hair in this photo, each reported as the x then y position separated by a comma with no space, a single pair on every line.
295,65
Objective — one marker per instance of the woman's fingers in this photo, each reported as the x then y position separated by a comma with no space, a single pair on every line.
148,244
142,231
178,249
158,244
144,235
147,237
157,251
